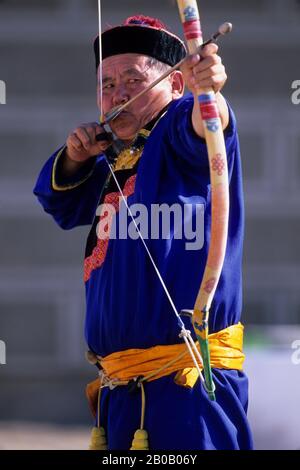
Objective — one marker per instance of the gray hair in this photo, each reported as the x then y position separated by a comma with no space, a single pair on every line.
161,67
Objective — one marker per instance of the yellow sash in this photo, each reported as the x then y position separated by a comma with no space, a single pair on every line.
226,352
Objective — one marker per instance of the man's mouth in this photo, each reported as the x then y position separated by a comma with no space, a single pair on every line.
123,114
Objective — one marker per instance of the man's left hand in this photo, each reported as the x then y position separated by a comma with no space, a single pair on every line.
206,71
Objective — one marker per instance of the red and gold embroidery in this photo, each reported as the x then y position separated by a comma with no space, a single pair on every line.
96,259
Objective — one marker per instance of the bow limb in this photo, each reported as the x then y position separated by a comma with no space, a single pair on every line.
206,101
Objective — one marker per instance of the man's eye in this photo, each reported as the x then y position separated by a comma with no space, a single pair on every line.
108,86
133,80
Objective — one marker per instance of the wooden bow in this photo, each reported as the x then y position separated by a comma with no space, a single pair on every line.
206,100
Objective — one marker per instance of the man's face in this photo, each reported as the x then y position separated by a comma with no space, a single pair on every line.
124,76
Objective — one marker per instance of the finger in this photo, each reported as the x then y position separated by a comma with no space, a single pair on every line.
96,132
84,137
210,72
216,82
93,129
206,63
209,49
191,61
90,130
74,142
98,128
100,147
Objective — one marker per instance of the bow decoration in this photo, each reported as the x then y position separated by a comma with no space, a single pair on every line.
206,100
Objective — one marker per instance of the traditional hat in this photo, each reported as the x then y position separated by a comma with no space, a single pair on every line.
141,35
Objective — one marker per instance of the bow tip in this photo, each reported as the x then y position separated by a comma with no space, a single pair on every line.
225,28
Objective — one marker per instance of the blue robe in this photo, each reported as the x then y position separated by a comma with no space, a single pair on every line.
126,305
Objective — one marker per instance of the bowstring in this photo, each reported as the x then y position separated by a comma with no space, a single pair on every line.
100,81
185,334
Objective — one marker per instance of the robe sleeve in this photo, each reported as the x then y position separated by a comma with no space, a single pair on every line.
71,201
187,144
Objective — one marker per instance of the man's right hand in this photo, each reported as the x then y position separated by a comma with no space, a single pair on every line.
82,144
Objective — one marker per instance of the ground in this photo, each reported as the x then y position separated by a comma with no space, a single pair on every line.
24,436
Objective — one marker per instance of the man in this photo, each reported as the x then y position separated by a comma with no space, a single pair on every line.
130,325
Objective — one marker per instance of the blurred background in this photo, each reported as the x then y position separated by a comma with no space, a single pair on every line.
47,63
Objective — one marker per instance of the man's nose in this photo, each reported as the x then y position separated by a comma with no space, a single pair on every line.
120,96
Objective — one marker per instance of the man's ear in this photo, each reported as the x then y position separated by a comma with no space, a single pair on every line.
177,84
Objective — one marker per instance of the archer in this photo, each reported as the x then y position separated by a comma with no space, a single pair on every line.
147,381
